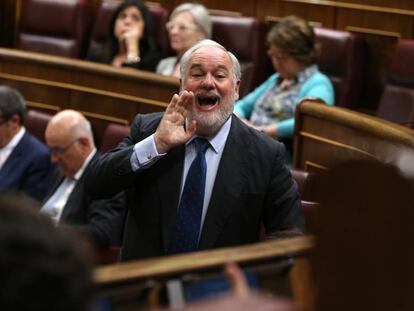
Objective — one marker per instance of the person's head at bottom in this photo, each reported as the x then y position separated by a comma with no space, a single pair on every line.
40,266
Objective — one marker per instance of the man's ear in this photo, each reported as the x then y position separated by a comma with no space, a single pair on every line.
236,90
15,119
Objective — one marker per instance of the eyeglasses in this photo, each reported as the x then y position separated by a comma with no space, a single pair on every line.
62,150
181,27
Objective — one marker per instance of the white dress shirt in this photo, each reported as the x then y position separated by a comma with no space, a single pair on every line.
57,201
8,149
145,154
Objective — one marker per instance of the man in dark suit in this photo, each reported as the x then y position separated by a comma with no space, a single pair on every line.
24,160
246,183
69,137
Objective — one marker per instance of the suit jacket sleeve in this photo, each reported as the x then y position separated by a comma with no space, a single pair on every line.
113,172
105,221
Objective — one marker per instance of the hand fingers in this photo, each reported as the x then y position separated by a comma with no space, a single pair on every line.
237,280
173,102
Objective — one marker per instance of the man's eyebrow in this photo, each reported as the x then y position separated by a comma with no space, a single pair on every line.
195,65
219,67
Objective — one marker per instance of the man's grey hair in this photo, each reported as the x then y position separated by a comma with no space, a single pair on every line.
199,13
11,103
207,42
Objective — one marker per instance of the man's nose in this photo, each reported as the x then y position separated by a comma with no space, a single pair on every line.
208,81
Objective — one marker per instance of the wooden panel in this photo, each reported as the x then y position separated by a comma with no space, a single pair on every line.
132,283
325,136
315,14
103,93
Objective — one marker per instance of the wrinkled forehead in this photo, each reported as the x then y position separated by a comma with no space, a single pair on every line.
211,57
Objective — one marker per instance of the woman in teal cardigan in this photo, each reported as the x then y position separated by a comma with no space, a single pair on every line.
271,107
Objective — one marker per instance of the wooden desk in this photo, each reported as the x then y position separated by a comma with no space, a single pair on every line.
326,135
122,282
103,93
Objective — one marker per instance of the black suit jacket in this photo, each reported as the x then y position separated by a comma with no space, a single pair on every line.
28,168
101,220
252,186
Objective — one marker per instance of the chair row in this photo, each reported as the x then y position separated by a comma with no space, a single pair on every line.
68,28
36,122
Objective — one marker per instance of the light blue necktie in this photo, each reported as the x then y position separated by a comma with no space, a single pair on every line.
185,232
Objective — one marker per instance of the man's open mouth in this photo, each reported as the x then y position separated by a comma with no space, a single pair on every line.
207,101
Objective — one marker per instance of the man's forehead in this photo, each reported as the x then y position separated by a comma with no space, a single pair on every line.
218,57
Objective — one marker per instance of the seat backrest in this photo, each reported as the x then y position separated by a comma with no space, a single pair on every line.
397,100
327,135
306,183
103,19
36,122
55,27
245,38
342,59
112,136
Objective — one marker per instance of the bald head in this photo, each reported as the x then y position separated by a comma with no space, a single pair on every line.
72,124
69,136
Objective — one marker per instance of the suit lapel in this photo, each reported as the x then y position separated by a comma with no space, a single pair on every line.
229,182
169,189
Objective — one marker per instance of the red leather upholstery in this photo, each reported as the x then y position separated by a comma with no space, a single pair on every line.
342,60
113,135
103,19
36,123
397,101
55,27
245,38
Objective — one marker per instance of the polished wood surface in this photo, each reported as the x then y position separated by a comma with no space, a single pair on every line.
111,275
103,93
326,136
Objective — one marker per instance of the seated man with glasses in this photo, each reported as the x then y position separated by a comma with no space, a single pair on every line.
24,160
70,139
188,24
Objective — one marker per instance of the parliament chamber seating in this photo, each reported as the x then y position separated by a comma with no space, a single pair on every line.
326,136
342,60
397,100
103,19
112,136
36,122
55,27
245,38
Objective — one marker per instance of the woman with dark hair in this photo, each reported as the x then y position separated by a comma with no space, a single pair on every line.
130,41
270,108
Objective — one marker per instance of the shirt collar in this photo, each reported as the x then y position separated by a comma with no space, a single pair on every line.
79,173
219,139
16,139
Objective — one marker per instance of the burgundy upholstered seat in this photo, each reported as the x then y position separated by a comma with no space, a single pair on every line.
245,38
36,122
397,100
55,27
112,136
342,60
